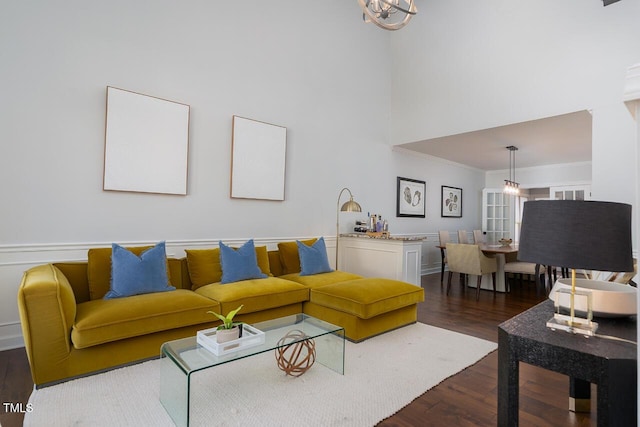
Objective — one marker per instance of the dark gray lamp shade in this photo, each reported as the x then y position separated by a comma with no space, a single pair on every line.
588,235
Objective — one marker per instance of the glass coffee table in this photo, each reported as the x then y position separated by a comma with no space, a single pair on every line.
180,359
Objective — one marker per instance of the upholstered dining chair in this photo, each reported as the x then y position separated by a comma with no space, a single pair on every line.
469,259
444,239
520,269
478,237
462,236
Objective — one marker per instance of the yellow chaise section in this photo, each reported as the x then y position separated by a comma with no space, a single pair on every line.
366,307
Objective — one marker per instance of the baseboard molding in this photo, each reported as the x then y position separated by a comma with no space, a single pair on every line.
11,343
430,270
10,336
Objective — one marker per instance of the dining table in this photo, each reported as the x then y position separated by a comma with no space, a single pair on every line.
497,251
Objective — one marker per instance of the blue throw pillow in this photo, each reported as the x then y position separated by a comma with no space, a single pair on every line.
134,275
313,259
239,264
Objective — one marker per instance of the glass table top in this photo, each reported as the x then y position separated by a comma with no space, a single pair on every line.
189,356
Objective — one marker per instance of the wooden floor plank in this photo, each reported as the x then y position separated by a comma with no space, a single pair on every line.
15,386
470,397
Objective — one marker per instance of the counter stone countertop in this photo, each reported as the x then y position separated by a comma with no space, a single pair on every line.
390,237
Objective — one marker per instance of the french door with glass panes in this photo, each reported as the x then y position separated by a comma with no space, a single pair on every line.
497,215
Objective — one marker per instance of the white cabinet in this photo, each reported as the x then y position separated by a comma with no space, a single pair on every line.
395,258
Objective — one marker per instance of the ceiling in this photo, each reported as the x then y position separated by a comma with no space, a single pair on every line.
553,140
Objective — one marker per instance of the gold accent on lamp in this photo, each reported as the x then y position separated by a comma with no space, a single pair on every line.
350,206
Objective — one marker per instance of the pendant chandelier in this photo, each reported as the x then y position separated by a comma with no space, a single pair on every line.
388,14
510,185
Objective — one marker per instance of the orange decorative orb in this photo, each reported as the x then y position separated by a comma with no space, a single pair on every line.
296,358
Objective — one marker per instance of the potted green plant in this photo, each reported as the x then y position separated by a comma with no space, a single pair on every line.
229,329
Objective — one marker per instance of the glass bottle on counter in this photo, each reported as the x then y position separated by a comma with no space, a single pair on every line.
372,222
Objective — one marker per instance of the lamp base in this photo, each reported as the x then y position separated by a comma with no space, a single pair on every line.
579,303
577,325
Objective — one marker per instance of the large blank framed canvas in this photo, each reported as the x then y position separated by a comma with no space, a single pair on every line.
258,152
146,143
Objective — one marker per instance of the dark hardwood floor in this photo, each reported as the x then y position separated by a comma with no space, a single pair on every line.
470,397
466,399
15,385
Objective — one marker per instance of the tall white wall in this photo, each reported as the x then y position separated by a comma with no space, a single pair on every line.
261,60
614,153
321,76
462,66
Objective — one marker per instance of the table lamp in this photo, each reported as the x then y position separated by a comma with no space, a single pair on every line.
590,235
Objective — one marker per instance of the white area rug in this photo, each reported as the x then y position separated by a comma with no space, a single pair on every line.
382,375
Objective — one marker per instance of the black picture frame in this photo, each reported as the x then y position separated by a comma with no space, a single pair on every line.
410,198
451,202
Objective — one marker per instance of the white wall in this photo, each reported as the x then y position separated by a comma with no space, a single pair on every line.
614,154
59,59
321,76
462,66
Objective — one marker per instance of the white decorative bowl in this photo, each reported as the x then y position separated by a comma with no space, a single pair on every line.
505,242
609,299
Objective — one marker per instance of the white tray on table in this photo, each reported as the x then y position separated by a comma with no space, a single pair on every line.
250,337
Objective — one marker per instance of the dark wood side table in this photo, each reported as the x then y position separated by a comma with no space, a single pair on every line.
610,364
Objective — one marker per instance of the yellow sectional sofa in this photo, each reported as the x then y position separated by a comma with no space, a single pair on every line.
70,330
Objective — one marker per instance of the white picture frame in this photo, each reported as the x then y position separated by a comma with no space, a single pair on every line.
258,156
146,144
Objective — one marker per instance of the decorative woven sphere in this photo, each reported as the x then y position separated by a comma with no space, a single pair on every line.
295,359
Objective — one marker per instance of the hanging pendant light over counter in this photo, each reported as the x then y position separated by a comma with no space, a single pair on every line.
510,185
